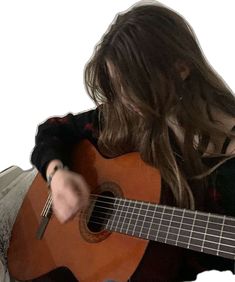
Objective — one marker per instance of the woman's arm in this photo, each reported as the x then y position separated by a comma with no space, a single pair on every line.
54,141
56,137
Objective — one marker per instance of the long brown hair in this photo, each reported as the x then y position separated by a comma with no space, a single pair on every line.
132,75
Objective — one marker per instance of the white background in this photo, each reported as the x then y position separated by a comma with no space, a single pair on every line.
44,46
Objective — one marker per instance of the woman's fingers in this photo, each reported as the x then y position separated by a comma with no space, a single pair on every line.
70,194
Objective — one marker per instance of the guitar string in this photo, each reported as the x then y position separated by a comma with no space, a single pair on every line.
163,207
47,205
164,240
159,212
170,214
165,213
154,217
167,233
172,227
166,220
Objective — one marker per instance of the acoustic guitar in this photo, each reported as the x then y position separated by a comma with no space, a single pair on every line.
108,240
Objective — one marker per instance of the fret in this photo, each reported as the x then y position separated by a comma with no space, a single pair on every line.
212,234
199,231
200,224
192,229
144,221
133,217
145,224
227,242
122,210
139,218
126,217
133,208
151,217
164,226
214,226
181,222
185,229
204,237
155,212
220,235
121,215
130,214
174,229
160,227
169,216
114,219
209,245
204,234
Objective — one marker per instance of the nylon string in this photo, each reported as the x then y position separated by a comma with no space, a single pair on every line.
48,205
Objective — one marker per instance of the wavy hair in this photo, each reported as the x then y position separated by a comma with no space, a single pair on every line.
133,76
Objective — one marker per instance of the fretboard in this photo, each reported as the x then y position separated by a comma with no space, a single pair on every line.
199,231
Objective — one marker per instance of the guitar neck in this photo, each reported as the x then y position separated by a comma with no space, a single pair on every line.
204,232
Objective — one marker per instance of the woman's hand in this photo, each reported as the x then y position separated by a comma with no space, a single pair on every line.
70,194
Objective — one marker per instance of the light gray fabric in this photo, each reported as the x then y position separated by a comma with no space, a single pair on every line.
14,184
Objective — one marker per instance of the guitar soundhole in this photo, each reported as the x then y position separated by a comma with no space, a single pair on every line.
102,210
92,223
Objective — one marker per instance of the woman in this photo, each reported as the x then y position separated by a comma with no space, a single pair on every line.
155,94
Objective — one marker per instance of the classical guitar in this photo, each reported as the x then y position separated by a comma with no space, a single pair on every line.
108,240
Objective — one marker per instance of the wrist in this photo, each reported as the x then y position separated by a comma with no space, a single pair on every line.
52,168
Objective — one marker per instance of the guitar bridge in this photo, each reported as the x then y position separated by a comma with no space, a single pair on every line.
46,215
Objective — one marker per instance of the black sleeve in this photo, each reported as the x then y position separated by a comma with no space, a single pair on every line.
225,184
56,137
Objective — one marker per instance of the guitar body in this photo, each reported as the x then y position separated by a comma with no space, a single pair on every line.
92,256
